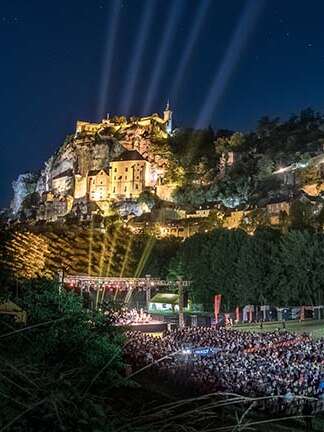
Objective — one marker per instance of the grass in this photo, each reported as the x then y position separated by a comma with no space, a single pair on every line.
315,328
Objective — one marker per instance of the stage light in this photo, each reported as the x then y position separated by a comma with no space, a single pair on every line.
233,55
128,93
90,248
112,250
126,256
200,18
112,26
169,32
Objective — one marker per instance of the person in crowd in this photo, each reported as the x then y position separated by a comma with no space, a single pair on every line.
284,367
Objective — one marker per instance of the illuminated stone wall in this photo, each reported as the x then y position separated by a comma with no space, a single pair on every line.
80,186
99,185
129,178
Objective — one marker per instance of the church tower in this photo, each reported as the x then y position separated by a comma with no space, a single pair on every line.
167,117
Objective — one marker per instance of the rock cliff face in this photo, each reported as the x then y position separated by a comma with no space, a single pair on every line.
92,153
23,186
92,147
78,155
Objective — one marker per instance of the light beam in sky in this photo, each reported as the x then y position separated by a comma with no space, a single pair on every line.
192,39
113,23
132,76
158,68
232,56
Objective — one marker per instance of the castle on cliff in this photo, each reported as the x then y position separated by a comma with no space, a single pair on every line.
99,165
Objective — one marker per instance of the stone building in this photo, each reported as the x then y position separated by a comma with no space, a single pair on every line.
276,210
80,186
54,208
99,185
130,175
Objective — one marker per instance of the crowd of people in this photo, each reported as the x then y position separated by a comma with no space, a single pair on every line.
126,317
285,368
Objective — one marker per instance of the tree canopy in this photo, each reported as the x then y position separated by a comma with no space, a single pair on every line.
268,267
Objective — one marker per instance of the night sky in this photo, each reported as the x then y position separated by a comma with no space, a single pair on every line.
224,63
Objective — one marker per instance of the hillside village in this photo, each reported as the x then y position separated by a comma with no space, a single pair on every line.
174,182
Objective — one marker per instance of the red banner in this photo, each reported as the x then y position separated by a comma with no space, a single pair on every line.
302,313
217,303
237,313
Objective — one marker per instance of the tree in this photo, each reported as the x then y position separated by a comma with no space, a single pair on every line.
253,273
301,215
148,198
234,142
62,367
299,269
265,167
209,260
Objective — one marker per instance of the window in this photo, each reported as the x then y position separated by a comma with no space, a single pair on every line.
125,177
114,189
137,178
115,178
136,186
101,182
115,169
125,190
126,169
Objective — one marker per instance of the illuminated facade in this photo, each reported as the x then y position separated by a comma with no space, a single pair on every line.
99,185
130,175
121,123
109,161
126,177
277,210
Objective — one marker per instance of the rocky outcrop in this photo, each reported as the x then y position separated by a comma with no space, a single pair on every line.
131,208
22,187
43,182
95,152
92,147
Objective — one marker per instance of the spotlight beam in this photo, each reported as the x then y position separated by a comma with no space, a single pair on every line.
199,21
233,54
112,249
113,23
145,256
128,92
90,248
169,32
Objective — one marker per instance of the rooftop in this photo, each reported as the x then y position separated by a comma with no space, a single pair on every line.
96,171
129,155
67,173
166,298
